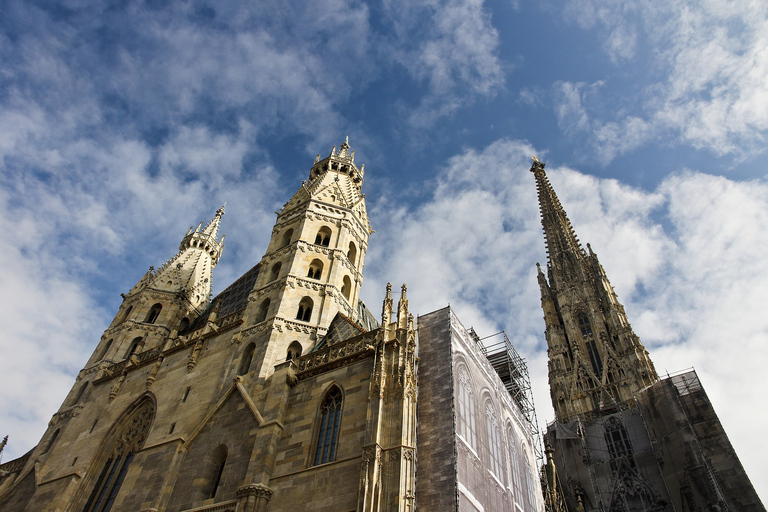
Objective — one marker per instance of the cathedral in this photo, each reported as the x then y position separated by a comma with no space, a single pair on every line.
285,392
623,439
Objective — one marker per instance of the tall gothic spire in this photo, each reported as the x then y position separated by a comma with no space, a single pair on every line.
559,235
596,362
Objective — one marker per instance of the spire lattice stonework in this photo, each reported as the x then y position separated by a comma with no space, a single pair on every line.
596,361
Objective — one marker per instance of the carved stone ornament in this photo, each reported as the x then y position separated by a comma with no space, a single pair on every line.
258,490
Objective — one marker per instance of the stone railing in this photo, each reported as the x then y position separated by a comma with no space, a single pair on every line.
332,356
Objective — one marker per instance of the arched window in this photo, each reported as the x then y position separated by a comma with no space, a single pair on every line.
294,351
50,442
466,409
275,273
584,325
352,253
126,313
514,455
123,442
315,269
323,236
104,350
80,393
346,287
245,360
216,469
530,495
494,442
261,314
183,324
617,439
305,310
154,312
134,348
287,237
328,430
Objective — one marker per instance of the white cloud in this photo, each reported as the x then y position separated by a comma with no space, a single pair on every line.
454,54
707,73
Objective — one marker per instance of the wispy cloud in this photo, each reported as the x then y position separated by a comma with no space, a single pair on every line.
711,68
454,57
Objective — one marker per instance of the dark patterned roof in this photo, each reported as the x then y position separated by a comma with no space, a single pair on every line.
233,299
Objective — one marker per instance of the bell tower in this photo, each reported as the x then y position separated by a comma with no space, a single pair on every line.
312,269
596,361
165,300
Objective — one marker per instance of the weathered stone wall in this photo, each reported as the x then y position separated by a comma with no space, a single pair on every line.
435,433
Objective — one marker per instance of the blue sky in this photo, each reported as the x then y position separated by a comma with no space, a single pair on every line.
123,123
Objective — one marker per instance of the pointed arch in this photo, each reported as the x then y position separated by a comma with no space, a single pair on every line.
294,351
261,314
80,393
124,440
515,467
346,287
134,347
215,469
304,312
495,455
466,403
323,236
125,314
104,350
287,236
584,324
352,253
51,441
315,269
275,271
246,358
154,312
183,324
329,425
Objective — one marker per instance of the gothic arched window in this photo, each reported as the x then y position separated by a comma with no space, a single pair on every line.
584,325
125,442
328,430
245,360
50,442
346,287
305,310
80,393
216,469
352,253
154,312
466,409
494,442
514,455
315,269
183,324
323,236
617,439
287,237
104,351
261,314
135,344
530,495
275,272
294,351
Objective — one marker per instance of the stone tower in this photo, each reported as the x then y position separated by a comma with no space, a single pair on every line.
596,362
164,301
623,439
313,266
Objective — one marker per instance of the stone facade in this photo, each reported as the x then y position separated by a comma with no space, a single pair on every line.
282,393
623,440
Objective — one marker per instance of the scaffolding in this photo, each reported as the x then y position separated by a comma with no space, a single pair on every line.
513,373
